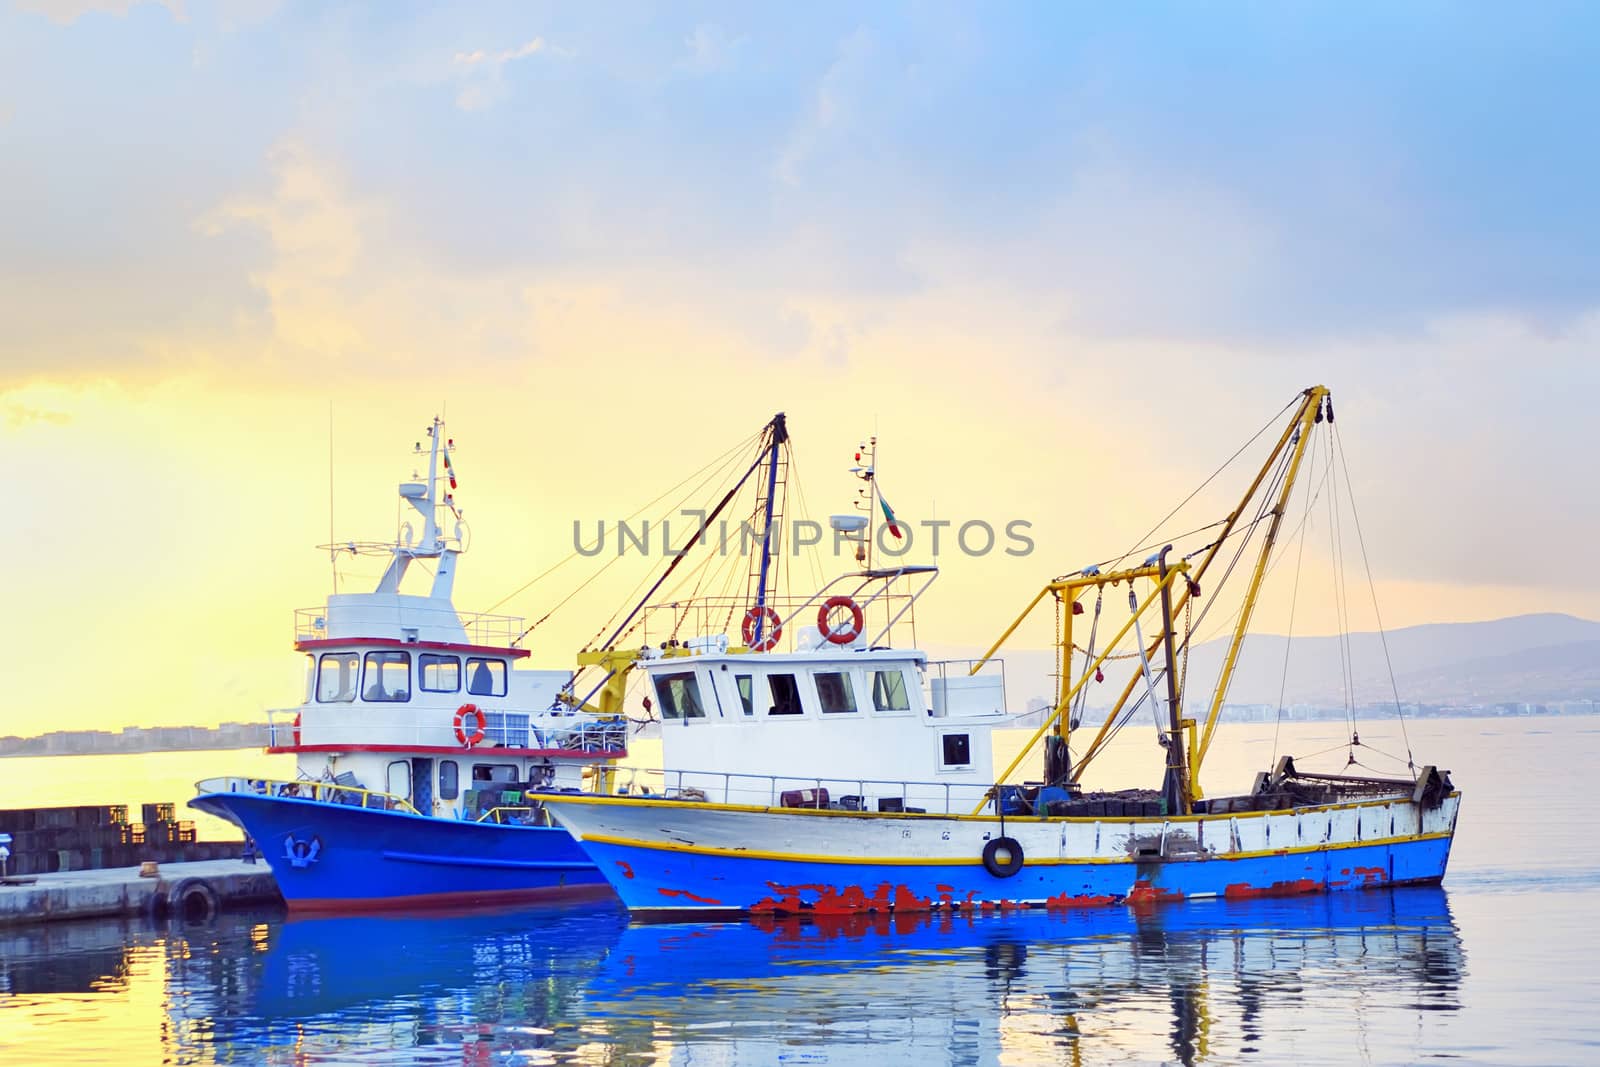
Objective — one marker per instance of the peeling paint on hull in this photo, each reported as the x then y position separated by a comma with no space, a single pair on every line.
668,883
668,860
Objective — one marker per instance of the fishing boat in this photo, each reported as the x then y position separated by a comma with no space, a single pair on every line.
811,837
420,734
423,740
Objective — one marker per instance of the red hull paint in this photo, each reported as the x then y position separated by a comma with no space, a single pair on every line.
847,901
1145,893
1276,889
389,642
451,750
467,900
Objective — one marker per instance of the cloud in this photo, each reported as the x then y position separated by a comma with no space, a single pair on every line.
66,12
832,111
711,49
479,57
482,73
17,415
314,230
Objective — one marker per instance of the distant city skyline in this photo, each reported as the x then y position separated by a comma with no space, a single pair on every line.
1063,261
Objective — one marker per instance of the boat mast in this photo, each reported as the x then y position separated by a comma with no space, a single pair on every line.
1175,786
1092,578
779,435
872,496
1305,419
423,497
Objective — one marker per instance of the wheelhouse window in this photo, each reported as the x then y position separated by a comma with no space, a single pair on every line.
747,692
387,677
449,779
680,696
785,695
438,674
336,677
957,750
486,774
397,782
835,693
486,677
889,691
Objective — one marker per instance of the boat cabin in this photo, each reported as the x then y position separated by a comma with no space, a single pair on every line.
893,728
409,697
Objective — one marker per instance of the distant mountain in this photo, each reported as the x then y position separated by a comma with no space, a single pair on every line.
1525,658
1533,658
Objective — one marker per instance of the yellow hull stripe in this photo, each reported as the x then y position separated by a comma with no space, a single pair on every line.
568,800
957,861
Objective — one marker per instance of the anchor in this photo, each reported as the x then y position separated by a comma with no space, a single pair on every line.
301,853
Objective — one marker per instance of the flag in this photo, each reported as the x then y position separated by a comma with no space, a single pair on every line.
888,517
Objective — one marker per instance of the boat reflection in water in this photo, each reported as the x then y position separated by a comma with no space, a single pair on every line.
1191,983
1230,978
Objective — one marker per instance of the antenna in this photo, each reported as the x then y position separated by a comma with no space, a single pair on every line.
333,553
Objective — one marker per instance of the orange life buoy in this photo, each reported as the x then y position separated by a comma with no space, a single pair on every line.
771,629
478,722
858,621
294,734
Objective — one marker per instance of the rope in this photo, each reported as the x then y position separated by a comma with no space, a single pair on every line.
1226,464
1057,646
1262,512
1088,653
721,459
730,461
1188,628
1294,601
1372,587
1341,602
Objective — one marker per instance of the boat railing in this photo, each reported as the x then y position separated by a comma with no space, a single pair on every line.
793,791
479,628
701,620
432,728
307,789
525,816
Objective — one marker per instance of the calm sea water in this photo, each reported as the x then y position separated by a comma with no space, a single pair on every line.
1498,967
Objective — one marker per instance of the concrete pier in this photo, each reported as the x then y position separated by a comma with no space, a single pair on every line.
198,890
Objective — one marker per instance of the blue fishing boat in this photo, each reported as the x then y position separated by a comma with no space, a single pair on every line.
847,843
423,740
419,739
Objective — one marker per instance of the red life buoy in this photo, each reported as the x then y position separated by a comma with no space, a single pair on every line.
858,621
771,629
464,712
294,734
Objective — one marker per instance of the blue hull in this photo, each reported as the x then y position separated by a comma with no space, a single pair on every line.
333,857
664,881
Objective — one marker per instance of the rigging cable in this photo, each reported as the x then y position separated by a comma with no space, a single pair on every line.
719,463
1076,714
722,472
1262,511
1294,601
1372,586
720,460
678,558
1341,603
1226,463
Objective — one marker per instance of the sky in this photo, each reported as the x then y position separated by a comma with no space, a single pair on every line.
1061,259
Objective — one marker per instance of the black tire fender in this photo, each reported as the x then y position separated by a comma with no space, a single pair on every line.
193,898
1010,850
